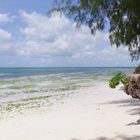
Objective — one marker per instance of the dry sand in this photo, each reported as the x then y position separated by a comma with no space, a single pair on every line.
95,113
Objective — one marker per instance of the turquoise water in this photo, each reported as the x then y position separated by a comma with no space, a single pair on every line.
20,72
24,88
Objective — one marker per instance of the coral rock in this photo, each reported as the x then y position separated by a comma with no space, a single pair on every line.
132,87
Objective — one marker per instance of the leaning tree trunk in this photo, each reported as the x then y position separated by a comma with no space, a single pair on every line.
132,87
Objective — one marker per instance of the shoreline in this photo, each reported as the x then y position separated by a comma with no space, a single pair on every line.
92,113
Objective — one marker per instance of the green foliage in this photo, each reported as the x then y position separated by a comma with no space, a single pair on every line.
117,79
137,70
123,17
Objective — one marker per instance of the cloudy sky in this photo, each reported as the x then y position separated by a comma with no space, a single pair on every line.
28,38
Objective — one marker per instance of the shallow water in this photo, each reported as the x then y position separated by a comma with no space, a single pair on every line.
24,88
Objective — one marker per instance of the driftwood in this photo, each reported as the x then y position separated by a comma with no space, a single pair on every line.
132,87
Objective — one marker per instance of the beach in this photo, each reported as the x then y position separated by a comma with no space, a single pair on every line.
96,113
70,70
66,104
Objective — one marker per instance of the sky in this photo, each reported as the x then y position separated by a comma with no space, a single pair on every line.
31,38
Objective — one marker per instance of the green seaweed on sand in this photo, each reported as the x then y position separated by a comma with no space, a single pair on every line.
68,87
20,105
10,106
22,87
94,78
28,86
16,81
28,103
2,89
55,79
36,98
15,106
10,81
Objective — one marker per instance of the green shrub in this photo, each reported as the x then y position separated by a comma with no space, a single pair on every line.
117,79
137,70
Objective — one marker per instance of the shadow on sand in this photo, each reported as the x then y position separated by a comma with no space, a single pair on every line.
134,111
129,102
120,137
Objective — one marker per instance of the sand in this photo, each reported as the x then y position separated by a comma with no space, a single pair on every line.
92,113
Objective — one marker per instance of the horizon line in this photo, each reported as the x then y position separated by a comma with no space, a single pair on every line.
74,67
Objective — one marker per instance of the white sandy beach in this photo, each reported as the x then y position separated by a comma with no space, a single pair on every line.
90,114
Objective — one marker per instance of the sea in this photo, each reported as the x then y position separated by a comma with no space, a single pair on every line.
32,88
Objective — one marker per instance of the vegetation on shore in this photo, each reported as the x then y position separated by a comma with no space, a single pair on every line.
137,70
119,78
131,83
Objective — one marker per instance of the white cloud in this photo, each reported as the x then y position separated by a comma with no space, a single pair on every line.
6,18
5,35
57,40
5,41
56,36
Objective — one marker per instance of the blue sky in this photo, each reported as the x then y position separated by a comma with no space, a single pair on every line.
29,38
